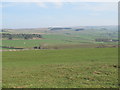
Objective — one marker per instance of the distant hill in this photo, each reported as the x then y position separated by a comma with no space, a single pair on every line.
59,28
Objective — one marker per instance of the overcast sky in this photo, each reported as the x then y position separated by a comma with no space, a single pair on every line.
36,15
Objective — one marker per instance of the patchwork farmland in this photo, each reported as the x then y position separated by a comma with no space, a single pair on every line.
60,58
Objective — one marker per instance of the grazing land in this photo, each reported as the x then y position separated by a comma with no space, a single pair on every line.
63,68
72,57
50,37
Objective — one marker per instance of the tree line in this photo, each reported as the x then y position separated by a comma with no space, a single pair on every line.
21,36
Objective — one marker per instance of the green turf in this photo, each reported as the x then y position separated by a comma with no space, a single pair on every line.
65,68
55,39
62,37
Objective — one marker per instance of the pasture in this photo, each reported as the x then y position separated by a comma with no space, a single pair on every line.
47,39
62,68
61,37
55,40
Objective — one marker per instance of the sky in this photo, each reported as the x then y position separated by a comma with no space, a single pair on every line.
58,14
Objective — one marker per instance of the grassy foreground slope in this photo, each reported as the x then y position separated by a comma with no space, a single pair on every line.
66,68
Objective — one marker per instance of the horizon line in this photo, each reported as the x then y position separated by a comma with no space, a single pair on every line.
59,26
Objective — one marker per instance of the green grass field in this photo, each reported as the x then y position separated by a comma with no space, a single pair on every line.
62,37
48,40
65,68
55,40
